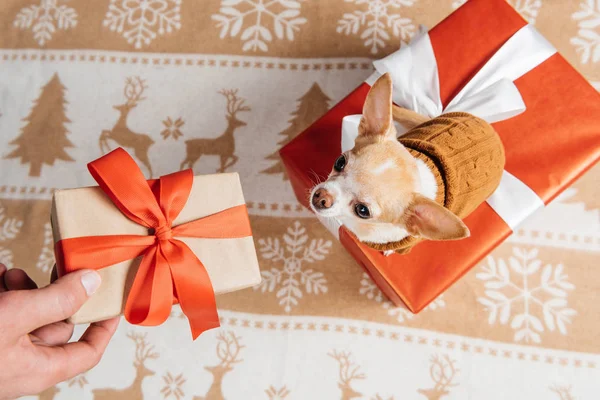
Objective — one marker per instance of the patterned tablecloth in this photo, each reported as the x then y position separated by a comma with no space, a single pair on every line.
220,85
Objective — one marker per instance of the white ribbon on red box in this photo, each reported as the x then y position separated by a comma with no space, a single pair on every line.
490,95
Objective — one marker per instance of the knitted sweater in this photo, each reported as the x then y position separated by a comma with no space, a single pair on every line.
467,159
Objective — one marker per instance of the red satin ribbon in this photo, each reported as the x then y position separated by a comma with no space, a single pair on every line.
169,272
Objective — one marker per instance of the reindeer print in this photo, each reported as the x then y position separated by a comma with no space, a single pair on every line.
348,373
564,393
49,394
442,372
143,353
228,351
224,145
120,133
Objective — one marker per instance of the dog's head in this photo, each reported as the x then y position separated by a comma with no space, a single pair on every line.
375,188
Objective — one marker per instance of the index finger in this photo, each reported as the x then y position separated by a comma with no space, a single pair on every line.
3,270
69,360
54,274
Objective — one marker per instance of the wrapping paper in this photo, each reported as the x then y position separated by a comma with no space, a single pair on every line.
507,74
287,350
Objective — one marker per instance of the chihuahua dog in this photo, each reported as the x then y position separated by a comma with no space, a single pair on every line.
392,193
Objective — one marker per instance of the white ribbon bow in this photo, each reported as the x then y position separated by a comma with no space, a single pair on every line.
490,95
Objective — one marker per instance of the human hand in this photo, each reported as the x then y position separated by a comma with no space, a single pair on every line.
34,349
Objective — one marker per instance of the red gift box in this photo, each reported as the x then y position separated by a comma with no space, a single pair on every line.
548,146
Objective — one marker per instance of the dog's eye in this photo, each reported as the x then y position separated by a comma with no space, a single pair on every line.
340,163
362,211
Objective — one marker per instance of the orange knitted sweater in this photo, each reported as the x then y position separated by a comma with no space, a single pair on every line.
467,159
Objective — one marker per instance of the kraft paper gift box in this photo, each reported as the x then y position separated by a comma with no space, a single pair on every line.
483,59
88,226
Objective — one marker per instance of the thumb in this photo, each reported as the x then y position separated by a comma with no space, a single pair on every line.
59,300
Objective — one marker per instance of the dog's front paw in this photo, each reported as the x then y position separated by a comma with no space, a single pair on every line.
388,253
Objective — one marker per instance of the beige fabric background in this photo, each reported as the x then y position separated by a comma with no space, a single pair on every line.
238,78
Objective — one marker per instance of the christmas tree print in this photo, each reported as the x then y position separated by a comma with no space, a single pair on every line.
313,104
44,138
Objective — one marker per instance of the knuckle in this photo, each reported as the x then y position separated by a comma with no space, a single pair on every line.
95,356
67,304
56,369
92,359
90,362
95,359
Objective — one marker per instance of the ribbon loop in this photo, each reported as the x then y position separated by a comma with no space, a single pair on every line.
169,271
414,72
121,179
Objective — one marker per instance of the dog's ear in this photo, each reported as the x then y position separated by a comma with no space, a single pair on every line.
427,219
377,110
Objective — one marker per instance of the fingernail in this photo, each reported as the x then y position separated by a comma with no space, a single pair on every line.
91,282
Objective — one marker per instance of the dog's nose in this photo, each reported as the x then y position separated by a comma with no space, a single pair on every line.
322,199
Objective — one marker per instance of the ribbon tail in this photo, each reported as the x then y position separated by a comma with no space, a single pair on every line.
495,103
151,295
514,201
121,180
350,125
174,192
194,289
523,52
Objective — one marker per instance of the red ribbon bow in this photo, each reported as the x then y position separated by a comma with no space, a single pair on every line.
169,271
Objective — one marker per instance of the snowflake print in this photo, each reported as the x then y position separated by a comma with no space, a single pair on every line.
587,41
401,314
294,252
173,386
377,17
9,229
6,257
45,18
284,15
46,259
172,128
141,21
526,291
369,289
529,9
